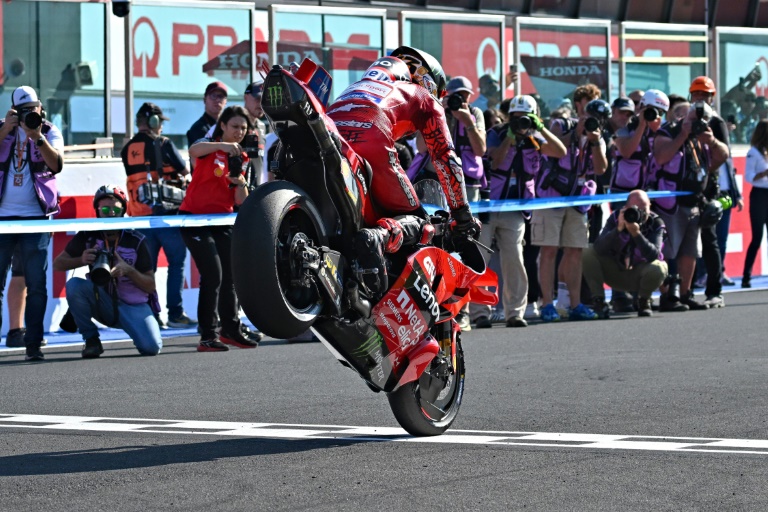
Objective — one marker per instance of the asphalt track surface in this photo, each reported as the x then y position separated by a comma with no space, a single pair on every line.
665,413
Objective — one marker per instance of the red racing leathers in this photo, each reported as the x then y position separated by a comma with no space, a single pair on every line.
371,115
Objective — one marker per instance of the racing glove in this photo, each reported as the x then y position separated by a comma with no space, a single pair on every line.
464,224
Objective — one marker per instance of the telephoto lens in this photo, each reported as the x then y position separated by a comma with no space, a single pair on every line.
632,214
100,270
31,119
650,114
591,124
455,101
521,123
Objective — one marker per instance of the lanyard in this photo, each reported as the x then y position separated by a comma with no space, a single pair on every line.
19,154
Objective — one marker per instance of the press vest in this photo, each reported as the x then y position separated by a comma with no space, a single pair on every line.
140,157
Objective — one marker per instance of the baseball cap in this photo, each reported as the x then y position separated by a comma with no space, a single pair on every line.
459,83
23,95
524,103
623,104
148,110
255,89
216,85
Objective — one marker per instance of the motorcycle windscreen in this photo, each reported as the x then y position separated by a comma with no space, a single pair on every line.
431,196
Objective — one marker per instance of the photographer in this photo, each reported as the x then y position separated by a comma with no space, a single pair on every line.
30,157
627,256
156,183
120,288
722,180
568,176
686,154
219,184
516,149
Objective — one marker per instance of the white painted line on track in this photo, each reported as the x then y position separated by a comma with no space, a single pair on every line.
384,434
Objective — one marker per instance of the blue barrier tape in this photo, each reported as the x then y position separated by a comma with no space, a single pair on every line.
227,219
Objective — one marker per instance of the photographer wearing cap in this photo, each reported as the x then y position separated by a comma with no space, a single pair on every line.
571,175
30,157
627,256
157,179
119,291
218,186
686,154
516,149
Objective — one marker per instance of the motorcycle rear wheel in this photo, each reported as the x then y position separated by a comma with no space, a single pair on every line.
422,417
262,267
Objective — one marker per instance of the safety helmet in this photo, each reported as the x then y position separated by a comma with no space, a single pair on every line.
113,191
703,84
655,98
424,69
523,103
388,69
599,109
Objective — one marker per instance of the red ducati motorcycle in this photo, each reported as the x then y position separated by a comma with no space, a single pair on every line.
295,268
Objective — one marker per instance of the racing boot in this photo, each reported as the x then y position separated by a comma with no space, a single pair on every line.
389,236
670,300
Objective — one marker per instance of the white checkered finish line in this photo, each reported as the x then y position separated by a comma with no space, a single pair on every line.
385,434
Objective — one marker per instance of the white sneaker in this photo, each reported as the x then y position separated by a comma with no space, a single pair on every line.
531,311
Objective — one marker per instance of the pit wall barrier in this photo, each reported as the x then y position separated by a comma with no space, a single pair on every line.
80,180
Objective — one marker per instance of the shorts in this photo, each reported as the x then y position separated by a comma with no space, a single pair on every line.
17,265
560,227
682,233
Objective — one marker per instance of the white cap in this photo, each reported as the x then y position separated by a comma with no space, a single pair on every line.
655,98
523,103
23,95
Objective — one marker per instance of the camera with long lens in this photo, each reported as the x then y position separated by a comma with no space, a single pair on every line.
650,114
591,124
633,215
30,117
455,101
520,123
101,268
250,145
699,126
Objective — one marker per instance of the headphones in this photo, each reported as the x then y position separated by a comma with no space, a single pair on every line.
154,121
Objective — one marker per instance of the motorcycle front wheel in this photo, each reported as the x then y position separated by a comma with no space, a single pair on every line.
429,405
268,279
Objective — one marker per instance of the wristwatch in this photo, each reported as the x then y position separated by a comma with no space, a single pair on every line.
39,142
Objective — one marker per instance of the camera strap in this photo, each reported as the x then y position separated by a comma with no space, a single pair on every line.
113,283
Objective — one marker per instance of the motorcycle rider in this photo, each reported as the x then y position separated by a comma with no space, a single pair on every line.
397,96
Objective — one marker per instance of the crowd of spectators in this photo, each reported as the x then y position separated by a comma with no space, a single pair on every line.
513,149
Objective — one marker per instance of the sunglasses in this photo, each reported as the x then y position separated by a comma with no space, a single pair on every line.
106,210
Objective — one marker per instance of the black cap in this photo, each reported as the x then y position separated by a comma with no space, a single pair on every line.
148,110
623,104
255,89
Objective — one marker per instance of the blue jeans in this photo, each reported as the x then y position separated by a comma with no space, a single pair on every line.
176,252
34,250
137,320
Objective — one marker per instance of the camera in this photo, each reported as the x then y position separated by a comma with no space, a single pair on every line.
699,126
161,197
250,145
633,215
591,124
650,114
100,269
550,180
455,101
30,117
520,123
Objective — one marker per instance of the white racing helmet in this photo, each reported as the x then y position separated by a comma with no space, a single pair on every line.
523,103
655,98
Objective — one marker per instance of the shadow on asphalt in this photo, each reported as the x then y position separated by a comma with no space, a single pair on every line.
135,457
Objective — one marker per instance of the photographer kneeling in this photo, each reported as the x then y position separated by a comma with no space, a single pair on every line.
218,185
120,285
627,255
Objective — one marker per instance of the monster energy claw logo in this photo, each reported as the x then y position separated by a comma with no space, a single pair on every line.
370,344
275,93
